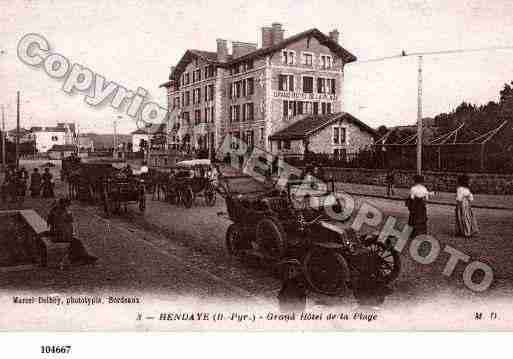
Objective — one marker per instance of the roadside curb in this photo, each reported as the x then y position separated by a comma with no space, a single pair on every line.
429,202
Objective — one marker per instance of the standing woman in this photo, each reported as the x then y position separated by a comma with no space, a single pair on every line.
416,203
466,223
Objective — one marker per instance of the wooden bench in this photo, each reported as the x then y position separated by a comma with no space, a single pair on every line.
53,254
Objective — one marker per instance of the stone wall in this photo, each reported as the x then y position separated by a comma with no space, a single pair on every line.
486,183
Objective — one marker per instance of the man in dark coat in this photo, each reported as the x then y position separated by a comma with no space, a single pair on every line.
35,183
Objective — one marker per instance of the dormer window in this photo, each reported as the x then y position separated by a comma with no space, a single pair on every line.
288,57
307,58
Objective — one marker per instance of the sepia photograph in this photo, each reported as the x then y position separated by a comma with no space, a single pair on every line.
333,165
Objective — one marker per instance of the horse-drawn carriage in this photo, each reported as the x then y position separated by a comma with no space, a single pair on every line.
189,180
108,184
269,225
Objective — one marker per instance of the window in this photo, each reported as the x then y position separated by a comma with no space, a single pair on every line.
212,114
186,117
279,145
307,84
328,107
339,135
209,71
243,85
206,114
55,138
187,101
307,59
236,69
332,86
307,108
326,61
196,75
187,78
289,109
251,86
176,102
196,95
197,117
286,83
236,109
237,89
210,92
323,108
249,137
321,85
262,131
287,57
286,145
316,108
250,111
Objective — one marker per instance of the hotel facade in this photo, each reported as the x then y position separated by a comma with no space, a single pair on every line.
255,93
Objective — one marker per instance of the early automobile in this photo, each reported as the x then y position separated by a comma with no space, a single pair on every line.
192,179
269,225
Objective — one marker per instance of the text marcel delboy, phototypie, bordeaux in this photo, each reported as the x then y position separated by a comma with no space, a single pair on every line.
70,300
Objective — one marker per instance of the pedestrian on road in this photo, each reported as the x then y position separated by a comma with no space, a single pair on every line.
390,179
466,223
60,221
47,184
35,183
416,203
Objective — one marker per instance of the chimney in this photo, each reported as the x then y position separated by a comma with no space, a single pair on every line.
334,35
171,70
267,37
222,50
278,32
242,48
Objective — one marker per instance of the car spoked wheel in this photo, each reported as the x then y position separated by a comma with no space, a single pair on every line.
326,271
388,262
270,238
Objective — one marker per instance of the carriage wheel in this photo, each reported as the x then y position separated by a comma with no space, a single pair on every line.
271,238
389,261
210,196
235,242
187,197
326,271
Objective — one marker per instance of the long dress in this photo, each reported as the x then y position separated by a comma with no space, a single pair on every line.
416,204
35,184
47,185
466,223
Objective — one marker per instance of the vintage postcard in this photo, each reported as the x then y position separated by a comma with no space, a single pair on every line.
256,165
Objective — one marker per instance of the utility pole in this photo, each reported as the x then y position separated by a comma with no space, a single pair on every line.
17,130
419,119
3,138
114,153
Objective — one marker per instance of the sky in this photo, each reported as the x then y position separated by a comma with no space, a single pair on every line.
134,43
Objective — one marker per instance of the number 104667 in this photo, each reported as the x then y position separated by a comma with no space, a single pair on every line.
55,349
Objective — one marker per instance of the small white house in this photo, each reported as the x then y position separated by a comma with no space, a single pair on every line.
47,137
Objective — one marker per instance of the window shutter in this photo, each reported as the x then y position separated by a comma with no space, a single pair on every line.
285,108
291,83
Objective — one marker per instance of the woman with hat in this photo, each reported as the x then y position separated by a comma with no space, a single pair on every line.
466,223
416,203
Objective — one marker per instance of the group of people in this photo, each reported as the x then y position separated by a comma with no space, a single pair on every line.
16,180
466,222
